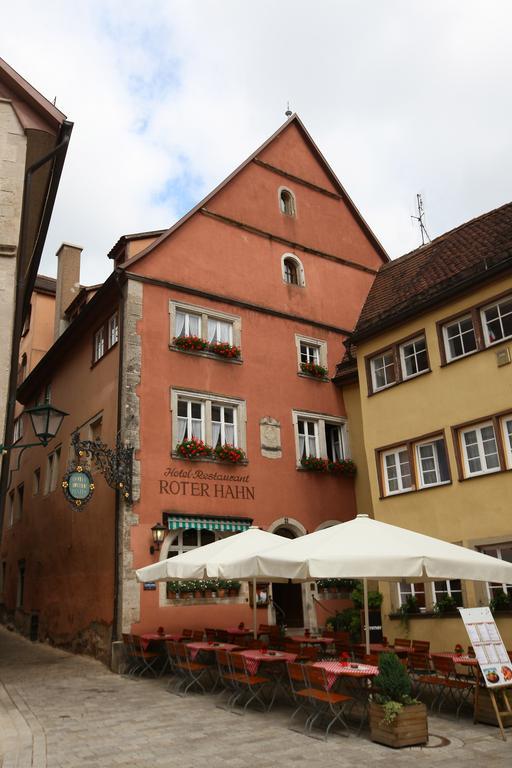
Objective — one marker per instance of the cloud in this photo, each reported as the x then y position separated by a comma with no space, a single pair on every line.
168,97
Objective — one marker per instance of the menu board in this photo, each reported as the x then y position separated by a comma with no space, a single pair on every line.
489,650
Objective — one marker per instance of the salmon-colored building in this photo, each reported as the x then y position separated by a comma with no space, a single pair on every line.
222,331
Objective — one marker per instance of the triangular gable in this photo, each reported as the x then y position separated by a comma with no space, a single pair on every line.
294,119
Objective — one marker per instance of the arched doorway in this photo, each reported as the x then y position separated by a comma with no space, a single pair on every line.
287,598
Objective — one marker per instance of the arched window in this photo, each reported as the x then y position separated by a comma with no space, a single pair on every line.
190,538
293,272
287,202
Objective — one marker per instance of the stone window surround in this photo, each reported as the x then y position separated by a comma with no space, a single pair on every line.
293,201
205,313
301,278
321,419
322,351
208,399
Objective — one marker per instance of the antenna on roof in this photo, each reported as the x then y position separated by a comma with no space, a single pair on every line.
419,219
288,112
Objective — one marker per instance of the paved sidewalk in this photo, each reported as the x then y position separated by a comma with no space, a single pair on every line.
63,711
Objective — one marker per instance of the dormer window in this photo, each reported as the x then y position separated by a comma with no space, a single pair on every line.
287,202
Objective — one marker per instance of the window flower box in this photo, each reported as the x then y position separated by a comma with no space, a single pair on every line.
223,349
313,464
314,369
345,467
229,454
193,449
191,343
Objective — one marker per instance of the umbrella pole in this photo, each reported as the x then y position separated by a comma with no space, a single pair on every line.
254,628
366,616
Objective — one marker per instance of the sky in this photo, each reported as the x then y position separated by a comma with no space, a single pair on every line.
167,97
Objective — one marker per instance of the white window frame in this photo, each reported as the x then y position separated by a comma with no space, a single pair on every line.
460,319
373,360
488,342
507,588
52,470
431,441
507,438
99,344
395,452
320,420
204,315
481,454
449,590
293,202
405,375
301,279
318,344
18,429
207,399
11,503
112,330
412,593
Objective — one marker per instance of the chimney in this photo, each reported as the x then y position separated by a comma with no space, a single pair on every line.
68,283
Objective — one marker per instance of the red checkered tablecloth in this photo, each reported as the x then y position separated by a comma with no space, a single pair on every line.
255,658
335,669
459,658
195,648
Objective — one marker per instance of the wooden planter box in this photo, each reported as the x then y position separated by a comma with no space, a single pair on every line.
410,726
485,711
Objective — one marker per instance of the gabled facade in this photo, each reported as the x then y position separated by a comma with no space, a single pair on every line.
228,328
428,374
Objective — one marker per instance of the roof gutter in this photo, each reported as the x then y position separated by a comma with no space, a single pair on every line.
26,272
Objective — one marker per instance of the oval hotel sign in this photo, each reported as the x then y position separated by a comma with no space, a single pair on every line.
78,486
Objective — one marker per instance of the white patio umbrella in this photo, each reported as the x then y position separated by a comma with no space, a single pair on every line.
368,549
204,562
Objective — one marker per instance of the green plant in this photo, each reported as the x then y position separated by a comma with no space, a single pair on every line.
190,343
394,686
229,453
314,464
357,597
500,601
445,604
314,369
193,449
341,585
345,467
348,620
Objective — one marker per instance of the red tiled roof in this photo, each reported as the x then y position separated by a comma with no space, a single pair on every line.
411,283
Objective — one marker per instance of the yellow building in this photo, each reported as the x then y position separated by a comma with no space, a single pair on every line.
427,381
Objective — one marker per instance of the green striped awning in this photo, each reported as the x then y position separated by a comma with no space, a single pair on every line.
233,525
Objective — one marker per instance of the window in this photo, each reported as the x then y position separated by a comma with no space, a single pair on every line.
105,337
497,321
506,425
18,511
212,418
213,326
52,471
502,552
44,395
11,508
397,470
459,337
320,436
18,429
401,361
416,591
310,351
448,588
432,463
383,370
413,357
287,202
95,429
480,449
292,270
36,481
190,538
413,465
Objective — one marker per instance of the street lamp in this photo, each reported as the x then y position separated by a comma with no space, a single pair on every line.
158,532
46,421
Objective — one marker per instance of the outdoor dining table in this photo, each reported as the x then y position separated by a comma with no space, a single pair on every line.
149,637
335,669
312,640
256,657
458,658
202,647
242,631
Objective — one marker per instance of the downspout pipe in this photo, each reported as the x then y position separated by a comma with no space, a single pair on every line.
118,504
26,271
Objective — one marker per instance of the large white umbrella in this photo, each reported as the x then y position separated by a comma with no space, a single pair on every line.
368,549
204,562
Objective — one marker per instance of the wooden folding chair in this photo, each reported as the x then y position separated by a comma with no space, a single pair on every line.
191,672
420,671
227,679
421,646
146,660
401,642
325,704
211,635
197,635
299,691
253,685
449,683
186,633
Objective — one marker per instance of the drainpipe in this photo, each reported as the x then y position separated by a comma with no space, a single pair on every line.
26,271
117,512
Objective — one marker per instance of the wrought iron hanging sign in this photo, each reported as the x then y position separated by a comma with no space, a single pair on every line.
114,463
78,486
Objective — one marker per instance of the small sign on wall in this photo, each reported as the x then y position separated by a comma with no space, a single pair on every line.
149,586
78,486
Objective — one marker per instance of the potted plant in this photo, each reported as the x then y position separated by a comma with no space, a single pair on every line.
233,588
396,719
173,590
408,608
345,467
193,448
314,369
221,588
313,464
187,590
445,604
223,349
190,343
500,601
229,453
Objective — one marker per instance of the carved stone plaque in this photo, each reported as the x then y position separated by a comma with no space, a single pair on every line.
270,438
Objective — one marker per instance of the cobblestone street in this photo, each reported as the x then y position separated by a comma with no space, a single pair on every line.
63,711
